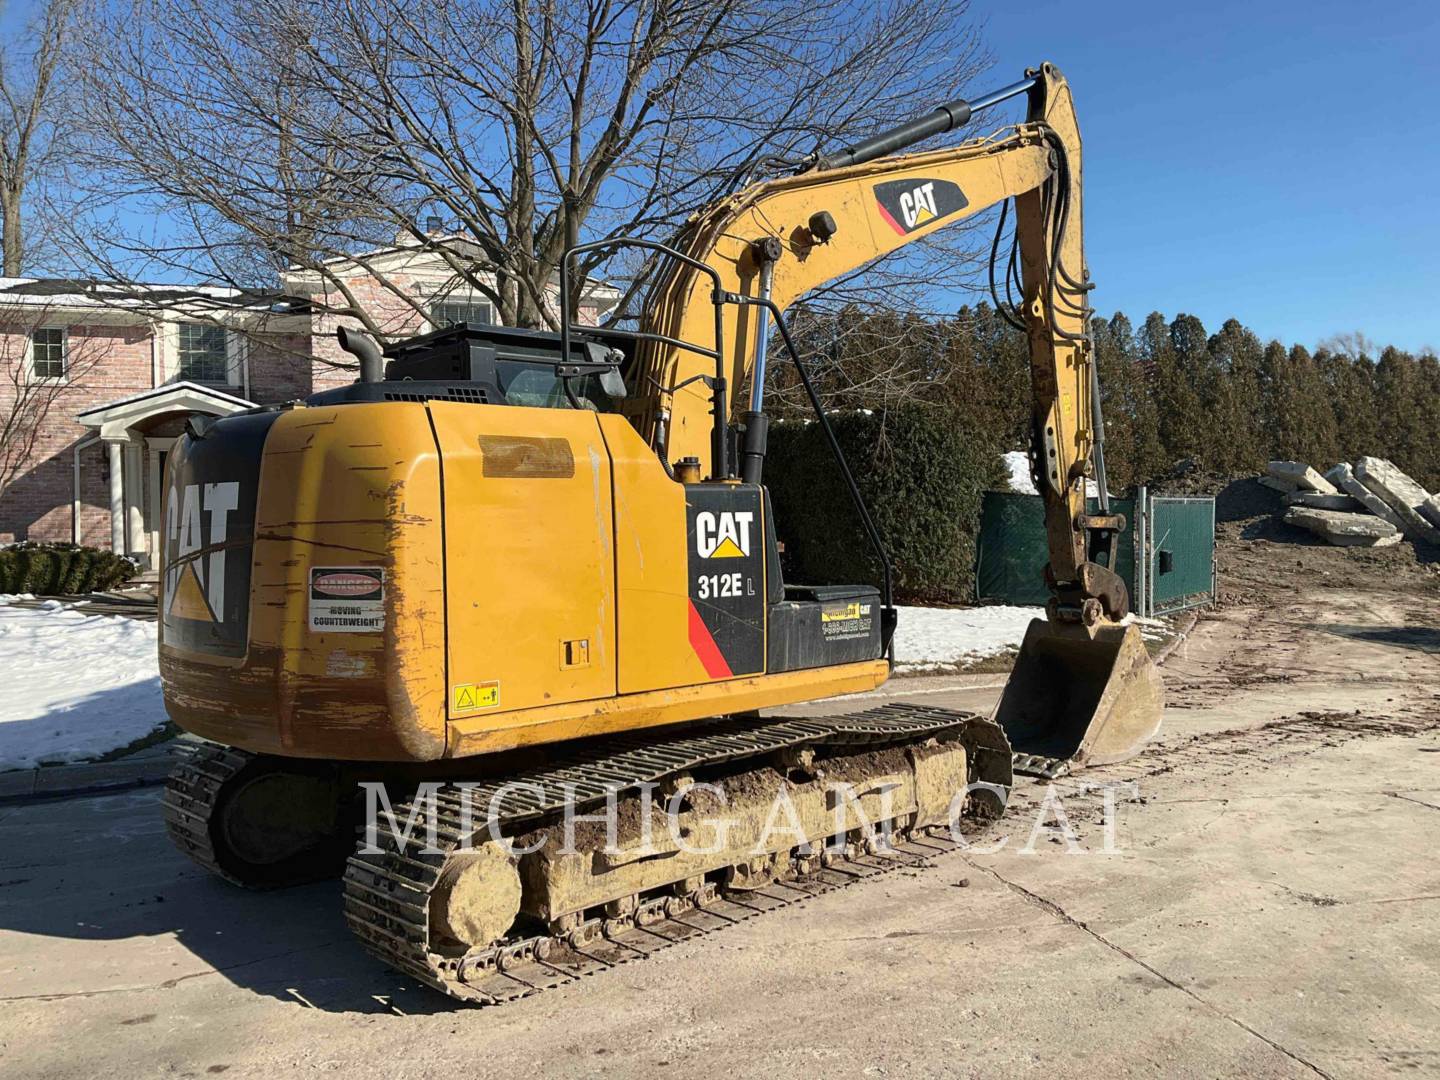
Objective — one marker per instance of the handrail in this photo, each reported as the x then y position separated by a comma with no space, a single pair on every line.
871,531
721,435
719,404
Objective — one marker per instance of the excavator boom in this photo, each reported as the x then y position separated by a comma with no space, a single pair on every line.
778,239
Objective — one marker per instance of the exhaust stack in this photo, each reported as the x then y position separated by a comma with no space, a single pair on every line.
372,363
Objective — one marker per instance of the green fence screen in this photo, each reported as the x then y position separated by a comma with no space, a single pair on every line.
1011,552
1182,552
1178,534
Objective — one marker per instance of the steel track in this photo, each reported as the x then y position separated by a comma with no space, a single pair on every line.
386,896
190,796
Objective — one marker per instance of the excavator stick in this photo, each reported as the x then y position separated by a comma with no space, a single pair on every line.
1079,695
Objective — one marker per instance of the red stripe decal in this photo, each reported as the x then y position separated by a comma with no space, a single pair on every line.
705,647
886,215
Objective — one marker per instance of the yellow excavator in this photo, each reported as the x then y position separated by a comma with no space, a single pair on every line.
537,574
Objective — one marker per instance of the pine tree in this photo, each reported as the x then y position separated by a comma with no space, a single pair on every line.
1233,398
1397,399
1177,353
1350,385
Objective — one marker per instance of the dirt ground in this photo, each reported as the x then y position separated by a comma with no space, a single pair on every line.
1265,905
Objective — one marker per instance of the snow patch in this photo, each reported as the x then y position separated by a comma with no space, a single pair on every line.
932,639
1017,464
928,639
78,685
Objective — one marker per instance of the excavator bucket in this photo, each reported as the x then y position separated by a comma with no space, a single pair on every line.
1079,696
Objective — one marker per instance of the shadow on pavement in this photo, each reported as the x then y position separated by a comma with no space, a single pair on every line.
99,878
1424,638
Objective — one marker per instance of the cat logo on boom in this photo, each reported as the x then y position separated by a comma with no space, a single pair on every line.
908,205
725,535
194,584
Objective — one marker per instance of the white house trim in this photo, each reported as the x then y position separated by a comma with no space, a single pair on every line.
156,445
115,418
114,424
75,533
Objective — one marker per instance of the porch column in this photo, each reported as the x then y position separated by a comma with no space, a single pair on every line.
134,495
117,496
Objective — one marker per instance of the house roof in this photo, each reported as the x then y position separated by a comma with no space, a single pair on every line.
79,293
406,254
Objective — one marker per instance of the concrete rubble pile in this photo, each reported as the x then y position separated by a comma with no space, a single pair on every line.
1369,504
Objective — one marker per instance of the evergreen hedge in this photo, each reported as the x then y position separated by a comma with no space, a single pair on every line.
923,476
48,569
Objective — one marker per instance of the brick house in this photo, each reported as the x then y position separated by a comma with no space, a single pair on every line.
108,378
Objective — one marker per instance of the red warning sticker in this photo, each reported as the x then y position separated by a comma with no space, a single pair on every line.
347,599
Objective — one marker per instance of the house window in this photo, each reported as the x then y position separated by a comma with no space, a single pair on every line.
452,312
202,352
47,353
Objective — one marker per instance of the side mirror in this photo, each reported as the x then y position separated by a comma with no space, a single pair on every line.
613,383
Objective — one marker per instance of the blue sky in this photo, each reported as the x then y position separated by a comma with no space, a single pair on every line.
1274,161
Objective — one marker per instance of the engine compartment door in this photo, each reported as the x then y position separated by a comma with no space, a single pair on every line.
529,557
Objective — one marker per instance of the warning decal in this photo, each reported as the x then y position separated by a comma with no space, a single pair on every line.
466,697
347,599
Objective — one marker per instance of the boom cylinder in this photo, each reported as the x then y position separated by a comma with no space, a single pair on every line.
943,118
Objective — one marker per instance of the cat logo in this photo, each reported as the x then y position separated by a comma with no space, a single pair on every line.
725,535
194,584
908,205
918,206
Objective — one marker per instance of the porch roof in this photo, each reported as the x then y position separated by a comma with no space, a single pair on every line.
115,418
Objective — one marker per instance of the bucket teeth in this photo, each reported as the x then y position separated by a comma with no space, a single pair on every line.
1046,768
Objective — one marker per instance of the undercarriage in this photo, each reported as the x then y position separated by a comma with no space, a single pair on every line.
488,890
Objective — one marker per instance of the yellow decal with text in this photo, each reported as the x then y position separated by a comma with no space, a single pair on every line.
849,611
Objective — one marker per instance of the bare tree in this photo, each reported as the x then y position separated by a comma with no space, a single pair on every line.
1353,345
37,374
29,96
270,136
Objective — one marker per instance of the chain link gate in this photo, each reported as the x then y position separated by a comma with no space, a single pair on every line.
1175,547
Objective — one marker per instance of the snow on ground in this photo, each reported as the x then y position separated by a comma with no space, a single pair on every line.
83,685
930,639
77,686
1017,466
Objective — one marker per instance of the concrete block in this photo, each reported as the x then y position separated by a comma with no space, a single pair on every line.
1335,473
1345,479
1402,494
1430,510
1343,530
1274,483
1343,503
1301,475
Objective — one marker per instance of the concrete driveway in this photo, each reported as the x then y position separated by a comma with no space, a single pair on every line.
1271,908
